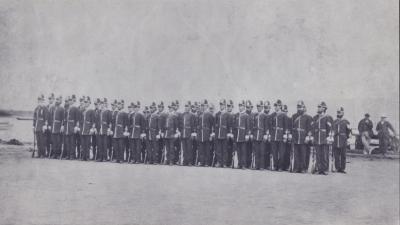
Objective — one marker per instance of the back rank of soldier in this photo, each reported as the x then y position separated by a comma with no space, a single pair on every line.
120,131
242,133
88,126
103,130
259,137
301,128
223,132
40,126
322,125
278,126
188,133
137,133
204,128
56,121
341,134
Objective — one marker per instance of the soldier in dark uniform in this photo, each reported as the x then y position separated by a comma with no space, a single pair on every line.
258,142
222,128
309,142
64,151
170,135
384,128
188,133
322,125
71,126
81,108
128,139
120,132
162,117
138,126
195,111
277,129
40,125
88,126
211,161
341,134
146,114
97,110
301,127
249,142
152,132
56,122
204,128
267,138
112,141
242,133
287,139
50,109
230,137
103,131
178,140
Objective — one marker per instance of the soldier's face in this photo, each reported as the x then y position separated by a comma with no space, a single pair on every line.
241,108
187,108
259,108
229,108
222,107
51,101
320,109
160,109
277,108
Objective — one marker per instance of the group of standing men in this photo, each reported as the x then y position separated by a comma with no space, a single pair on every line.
258,139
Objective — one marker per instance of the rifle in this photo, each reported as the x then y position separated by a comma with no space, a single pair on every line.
332,158
62,147
271,161
291,165
34,144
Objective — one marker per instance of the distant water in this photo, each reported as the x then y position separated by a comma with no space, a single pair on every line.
18,129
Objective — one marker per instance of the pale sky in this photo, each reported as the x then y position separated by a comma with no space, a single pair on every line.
345,52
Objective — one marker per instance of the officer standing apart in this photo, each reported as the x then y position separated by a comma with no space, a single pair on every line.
341,134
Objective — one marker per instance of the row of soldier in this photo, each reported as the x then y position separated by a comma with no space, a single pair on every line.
197,136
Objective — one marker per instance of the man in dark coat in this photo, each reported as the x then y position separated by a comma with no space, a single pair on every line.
384,128
103,130
242,133
153,135
56,122
120,132
277,129
188,133
258,142
40,126
204,128
341,132
137,133
222,128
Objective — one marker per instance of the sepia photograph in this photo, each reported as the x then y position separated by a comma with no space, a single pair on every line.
199,112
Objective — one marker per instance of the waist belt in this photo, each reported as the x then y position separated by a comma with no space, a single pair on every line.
137,125
321,129
119,125
71,120
223,126
243,128
57,121
40,119
300,129
342,134
188,127
278,128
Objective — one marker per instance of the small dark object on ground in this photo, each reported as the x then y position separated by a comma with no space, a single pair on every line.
12,142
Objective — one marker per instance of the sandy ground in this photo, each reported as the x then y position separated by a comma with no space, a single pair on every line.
43,191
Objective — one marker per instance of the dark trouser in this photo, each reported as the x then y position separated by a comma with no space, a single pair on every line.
171,152
127,149
135,149
160,150
307,157
110,146
195,151
278,153
177,144
187,148
241,150
41,142
340,158
78,144
143,147
211,160
229,153
267,154
249,148
152,151
119,149
383,143
299,155
94,146
204,152
322,159
258,152
85,140
286,156
56,145
48,142
70,145
221,152
102,145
